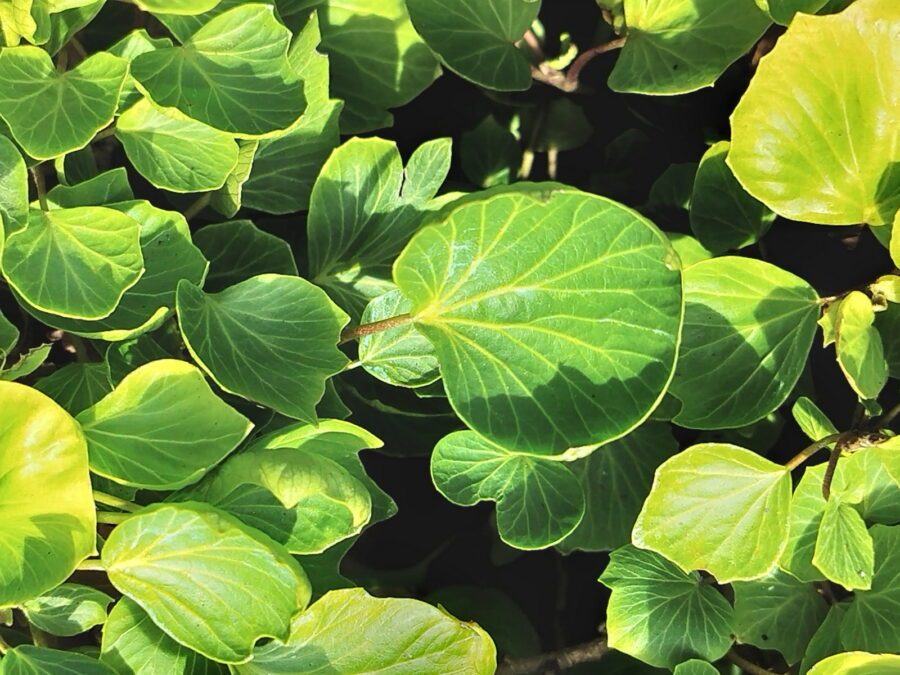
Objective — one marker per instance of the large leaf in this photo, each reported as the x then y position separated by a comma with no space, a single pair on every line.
778,612
45,495
748,328
720,508
378,60
209,581
539,501
134,44
75,263
723,215
30,660
660,614
555,314
169,256
363,210
271,339
32,92
180,155
161,428
677,46
99,190
858,663
476,38
860,351
351,632
68,609
232,74
829,152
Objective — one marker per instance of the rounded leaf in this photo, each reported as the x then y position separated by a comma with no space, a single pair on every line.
68,609
857,663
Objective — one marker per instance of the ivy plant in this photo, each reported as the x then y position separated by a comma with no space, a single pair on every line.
268,266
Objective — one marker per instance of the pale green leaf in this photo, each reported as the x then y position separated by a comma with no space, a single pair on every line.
271,339
539,501
860,351
13,190
75,263
176,154
778,612
68,609
209,581
76,386
554,314
178,7
100,190
227,200
812,421
161,428
858,663
844,552
28,363
351,632
829,152
660,614
689,249
477,38
31,91
748,328
719,508
677,46
695,667
30,660
42,452
232,74
134,44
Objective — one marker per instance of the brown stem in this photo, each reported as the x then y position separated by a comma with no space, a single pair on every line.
534,44
559,660
889,417
356,332
810,450
831,468
37,174
745,665
585,57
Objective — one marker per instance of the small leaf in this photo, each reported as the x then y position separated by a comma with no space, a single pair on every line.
100,190
133,644
826,154
68,609
813,422
30,660
42,451
179,155
161,428
209,581
76,263
31,92
539,501
227,199
778,612
397,635
490,154
28,363
844,552
695,667
748,329
661,615
719,508
76,386
271,339
860,351
476,39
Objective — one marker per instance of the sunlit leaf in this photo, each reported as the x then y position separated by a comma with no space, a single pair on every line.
30,660
860,351
68,609
858,663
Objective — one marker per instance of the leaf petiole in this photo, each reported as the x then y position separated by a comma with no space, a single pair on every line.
110,518
810,450
356,332
116,502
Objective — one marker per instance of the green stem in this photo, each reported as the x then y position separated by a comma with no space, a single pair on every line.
356,332
810,450
90,565
111,518
195,208
352,365
116,502
37,175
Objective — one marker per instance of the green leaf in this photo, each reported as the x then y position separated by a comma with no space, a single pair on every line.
477,38
871,620
858,663
678,46
175,154
539,501
31,91
28,363
895,240
866,471
827,639
177,7
134,44
490,154
748,329
688,249
887,323
812,421
169,256
13,190
400,356
860,351
30,660
227,199
42,452
378,60
69,609
9,337
232,74
133,644
349,631
580,294
828,153
783,11
76,386
363,210
100,190
719,508
76,263
723,215
844,552
238,250
661,615
285,167
695,667
778,612
271,339
209,581
161,428
615,480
